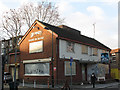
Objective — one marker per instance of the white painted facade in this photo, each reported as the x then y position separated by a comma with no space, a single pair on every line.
77,54
93,62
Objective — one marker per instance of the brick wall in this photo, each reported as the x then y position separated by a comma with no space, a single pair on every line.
47,52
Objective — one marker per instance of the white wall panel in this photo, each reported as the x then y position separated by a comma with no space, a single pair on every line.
77,52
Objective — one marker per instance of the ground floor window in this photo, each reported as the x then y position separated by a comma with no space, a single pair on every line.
37,69
68,68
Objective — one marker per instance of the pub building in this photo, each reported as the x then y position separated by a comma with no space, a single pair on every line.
35,55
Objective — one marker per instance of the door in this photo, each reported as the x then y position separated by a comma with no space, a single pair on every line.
83,72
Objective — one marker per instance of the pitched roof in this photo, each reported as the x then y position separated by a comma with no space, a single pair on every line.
74,35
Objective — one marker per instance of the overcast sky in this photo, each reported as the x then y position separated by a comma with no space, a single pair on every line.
81,15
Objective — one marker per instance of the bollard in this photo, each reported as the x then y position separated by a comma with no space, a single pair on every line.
34,83
48,82
23,83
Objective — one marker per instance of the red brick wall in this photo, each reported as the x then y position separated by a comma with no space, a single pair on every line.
47,52
12,59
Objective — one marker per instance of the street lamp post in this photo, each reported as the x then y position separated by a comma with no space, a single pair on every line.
15,83
1,75
52,64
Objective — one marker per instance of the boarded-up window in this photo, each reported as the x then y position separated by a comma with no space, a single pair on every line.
84,49
95,51
37,69
35,47
68,68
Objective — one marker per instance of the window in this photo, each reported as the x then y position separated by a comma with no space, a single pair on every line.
84,49
19,40
3,45
95,51
70,47
36,47
68,68
10,42
3,51
37,69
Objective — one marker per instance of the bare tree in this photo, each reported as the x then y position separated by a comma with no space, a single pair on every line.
28,12
12,24
15,19
44,11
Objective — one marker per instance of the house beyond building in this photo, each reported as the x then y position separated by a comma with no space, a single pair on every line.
36,52
115,65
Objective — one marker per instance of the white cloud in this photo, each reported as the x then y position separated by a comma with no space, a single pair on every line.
96,12
2,8
106,27
64,7
110,1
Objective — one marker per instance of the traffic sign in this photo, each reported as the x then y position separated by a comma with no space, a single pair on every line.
71,60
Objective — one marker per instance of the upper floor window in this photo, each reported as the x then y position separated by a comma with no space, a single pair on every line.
84,49
70,47
3,45
95,51
10,42
35,47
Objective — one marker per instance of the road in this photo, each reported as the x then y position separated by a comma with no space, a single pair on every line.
109,86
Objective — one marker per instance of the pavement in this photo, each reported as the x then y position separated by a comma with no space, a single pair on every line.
26,86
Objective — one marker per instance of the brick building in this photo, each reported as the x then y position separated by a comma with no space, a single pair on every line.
36,52
7,52
115,65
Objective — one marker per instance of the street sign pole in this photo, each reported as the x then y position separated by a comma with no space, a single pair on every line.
71,73
71,59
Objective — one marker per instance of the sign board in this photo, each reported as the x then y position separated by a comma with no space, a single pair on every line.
54,68
104,58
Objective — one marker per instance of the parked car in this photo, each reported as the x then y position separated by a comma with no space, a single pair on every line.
7,77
